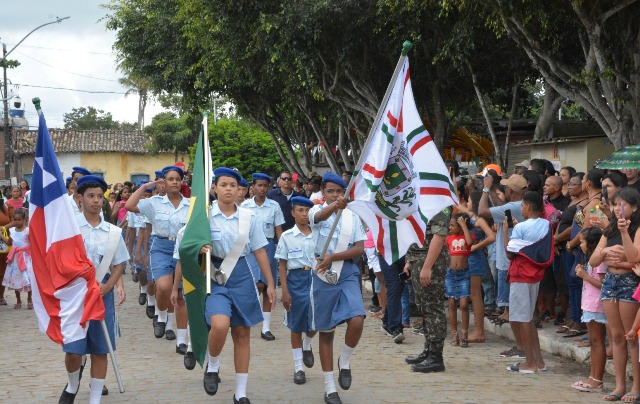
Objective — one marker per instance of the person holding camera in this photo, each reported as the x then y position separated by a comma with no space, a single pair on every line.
492,207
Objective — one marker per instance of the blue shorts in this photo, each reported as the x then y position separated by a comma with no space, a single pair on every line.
94,342
478,263
332,305
457,283
619,287
161,258
237,299
270,249
139,268
588,316
503,289
298,318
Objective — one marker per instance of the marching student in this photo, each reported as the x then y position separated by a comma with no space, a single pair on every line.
136,223
167,215
234,302
76,174
295,252
272,220
336,283
103,242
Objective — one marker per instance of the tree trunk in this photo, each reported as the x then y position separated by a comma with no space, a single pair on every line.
551,104
514,105
341,147
485,112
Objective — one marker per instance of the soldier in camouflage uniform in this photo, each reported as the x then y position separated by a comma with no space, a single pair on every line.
430,298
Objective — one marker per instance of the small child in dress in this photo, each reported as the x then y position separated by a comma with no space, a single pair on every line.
19,258
458,278
592,311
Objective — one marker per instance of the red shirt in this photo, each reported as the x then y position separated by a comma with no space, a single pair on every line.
458,245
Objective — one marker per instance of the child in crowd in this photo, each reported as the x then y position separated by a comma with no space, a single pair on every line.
373,261
530,250
19,258
457,280
592,311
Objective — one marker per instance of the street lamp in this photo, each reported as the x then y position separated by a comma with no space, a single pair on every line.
8,151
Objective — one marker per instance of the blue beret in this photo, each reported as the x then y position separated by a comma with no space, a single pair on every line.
261,176
68,180
243,183
301,201
92,179
159,174
80,170
335,178
226,172
173,168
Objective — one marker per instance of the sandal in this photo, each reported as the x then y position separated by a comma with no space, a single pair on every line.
563,329
455,341
17,306
464,339
588,387
3,302
584,344
30,306
636,397
612,397
574,333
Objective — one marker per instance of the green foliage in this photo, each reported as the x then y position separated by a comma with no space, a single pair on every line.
171,133
241,144
90,118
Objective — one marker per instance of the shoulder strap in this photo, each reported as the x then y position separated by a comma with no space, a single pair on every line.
244,225
346,229
115,234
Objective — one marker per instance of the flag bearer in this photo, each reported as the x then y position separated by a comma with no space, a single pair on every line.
234,300
272,220
103,241
336,283
295,252
167,215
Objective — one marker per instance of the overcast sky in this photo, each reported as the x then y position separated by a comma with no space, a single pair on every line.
75,54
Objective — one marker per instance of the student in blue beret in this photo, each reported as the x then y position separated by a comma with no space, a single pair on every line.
77,173
336,282
243,187
272,220
295,253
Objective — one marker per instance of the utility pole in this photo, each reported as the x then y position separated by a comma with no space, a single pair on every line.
7,130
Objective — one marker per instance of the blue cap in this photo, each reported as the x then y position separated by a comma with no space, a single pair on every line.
173,168
92,179
227,172
80,170
68,180
260,176
335,178
301,201
243,183
143,182
159,174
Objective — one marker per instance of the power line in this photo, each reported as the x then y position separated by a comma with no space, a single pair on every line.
66,71
72,89
63,50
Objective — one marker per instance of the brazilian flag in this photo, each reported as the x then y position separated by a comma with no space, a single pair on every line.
196,235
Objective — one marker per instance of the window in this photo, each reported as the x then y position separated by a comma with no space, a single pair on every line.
138,178
27,177
98,174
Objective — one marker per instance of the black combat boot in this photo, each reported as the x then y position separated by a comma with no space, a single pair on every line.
415,359
433,363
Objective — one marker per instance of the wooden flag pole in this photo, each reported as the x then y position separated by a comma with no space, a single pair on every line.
406,47
112,354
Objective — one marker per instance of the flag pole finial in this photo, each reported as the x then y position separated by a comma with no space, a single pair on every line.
36,102
406,47
205,114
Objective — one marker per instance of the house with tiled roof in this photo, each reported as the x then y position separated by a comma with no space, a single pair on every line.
115,155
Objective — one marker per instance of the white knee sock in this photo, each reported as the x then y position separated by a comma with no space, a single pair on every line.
74,382
329,384
151,300
297,359
214,363
181,333
189,349
171,320
345,357
96,390
143,289
306,342
162,315
266,324
241,385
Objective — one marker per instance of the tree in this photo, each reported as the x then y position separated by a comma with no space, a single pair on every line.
89,118
138,86
171,133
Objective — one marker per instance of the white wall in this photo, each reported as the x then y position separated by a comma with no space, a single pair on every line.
67,161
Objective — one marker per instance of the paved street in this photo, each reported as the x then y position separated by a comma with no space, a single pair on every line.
33,368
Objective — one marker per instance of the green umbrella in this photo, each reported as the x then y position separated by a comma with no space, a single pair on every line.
627,157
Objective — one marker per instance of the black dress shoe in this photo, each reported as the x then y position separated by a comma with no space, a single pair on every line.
211,380
151,310
66,397
267,336
105,391
299,377
142,299
433,363
242,400
189,361
155,320
158,329
181,349
307,358
170,335
414,359
332,398
344,377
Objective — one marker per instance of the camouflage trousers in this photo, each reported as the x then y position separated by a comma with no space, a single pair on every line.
430,300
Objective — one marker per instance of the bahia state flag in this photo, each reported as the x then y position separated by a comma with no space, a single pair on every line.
63,281
402,182
196,235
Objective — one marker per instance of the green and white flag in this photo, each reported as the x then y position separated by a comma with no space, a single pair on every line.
402,181
196,235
